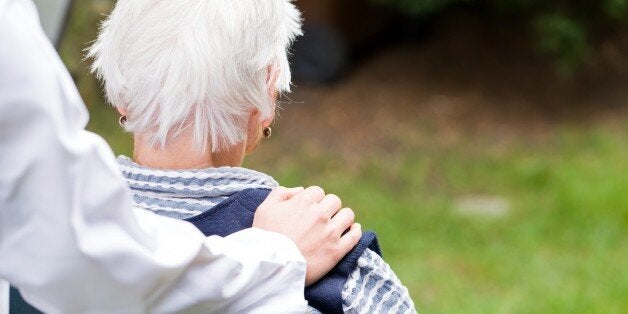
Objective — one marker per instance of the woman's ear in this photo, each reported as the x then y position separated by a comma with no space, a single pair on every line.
272,76
122,111
271,82
255,119
268,121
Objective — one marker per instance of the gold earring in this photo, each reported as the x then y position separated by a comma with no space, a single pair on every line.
122,121
267,132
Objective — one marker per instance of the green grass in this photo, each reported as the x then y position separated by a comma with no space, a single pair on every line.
561,247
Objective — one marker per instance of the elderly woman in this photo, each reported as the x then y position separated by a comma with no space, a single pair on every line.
196,82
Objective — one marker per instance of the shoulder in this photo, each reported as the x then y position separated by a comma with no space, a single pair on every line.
251,198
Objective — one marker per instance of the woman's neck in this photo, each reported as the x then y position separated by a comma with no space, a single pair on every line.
180,153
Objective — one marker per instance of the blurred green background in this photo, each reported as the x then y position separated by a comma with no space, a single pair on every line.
495,184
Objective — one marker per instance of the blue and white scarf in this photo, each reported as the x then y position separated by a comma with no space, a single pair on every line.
186,193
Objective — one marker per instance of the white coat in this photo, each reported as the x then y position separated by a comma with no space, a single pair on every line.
69,239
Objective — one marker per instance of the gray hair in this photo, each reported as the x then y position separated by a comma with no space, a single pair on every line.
194,63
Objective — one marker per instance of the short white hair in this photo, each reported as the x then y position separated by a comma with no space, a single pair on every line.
174,64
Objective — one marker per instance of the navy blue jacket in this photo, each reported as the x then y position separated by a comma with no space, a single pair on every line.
236,213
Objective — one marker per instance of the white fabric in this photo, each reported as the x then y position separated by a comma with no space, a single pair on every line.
67,237
4,297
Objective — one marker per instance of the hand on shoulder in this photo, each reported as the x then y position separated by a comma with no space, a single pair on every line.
323,231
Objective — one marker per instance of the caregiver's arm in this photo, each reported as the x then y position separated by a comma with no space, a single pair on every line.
68,238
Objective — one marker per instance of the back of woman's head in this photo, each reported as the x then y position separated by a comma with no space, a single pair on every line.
204,64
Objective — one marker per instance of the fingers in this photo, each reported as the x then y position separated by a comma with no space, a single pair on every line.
291,192
311,195
330,204
350,239
280,194
343,220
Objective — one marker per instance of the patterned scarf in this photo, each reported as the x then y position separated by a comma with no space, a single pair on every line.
186,193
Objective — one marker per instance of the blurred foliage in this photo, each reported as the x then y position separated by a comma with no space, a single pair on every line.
564,30
563,38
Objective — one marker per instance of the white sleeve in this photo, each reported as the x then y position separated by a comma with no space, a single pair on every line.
4,297
69,239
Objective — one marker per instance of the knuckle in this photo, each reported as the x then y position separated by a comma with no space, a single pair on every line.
316,190
333,198
307,199
358,227
350,214
329,207
356,235
331,235
322,218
